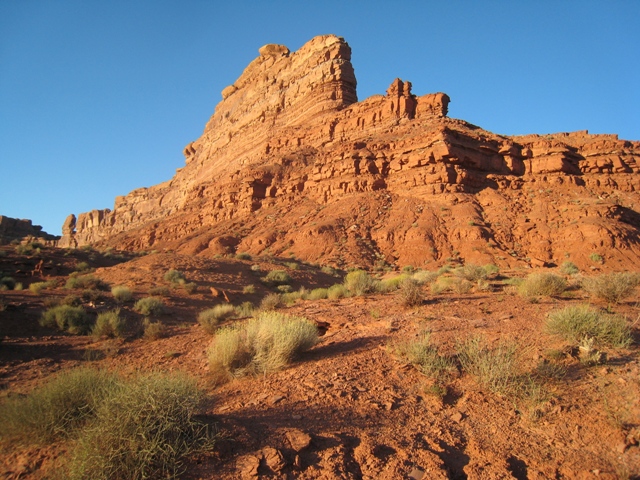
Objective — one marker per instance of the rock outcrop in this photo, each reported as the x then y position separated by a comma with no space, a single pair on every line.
292,163
14,229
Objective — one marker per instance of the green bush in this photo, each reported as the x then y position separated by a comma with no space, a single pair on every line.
542,284
56,409
159,291
471,272
67,318
82,267
612,287
421,353
263,344
576,323
359,282
37,287
337,291
245,309
152,330
85,282
425,277
122,293
7,283
149,306
249,289
276,277
109,324
410,293
211,317
190,287
594,257
569,268
318,294
142,429
174,276
271,302
243,256
391,284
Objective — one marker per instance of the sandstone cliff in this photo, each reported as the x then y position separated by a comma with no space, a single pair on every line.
292,163
14,229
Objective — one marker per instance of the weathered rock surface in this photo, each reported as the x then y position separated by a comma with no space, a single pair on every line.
292,163
17,229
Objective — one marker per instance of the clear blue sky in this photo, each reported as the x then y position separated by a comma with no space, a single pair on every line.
98,98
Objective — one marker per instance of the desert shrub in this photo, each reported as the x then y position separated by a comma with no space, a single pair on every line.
122,293
159,291
67,318
569,268
284,288
421,353
471,272
255,268
3,253
245,309
576,323
18,286
143,427
271,301
337,291
56,409
359,282
152,330
612,287
460,285
7,283
92,295
597,258
263,344
496,368
71,300
190,287
290,298
329,270
211,317
276,277
174,276
408,269
318,294
85,282
391,284
82,267
243,256
444,269
490,269
410,293
439,286
109,324
149,306
27,249
37,287
425,277
542,284
292,265
249,289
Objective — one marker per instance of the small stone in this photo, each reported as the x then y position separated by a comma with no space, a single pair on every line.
416,474
298,439
457,417
275,399
296,417
273,458
248,466
388,405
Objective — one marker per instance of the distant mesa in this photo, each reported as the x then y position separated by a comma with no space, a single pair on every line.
15,229
291,163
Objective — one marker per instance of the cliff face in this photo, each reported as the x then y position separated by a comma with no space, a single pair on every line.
291,163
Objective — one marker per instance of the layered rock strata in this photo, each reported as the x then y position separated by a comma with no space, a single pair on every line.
292,163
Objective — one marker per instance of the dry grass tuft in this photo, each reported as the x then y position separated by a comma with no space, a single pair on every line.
612,287
574,324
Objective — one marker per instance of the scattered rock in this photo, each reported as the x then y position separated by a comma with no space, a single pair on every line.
298,439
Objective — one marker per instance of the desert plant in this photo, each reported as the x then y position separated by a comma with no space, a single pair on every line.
255,268
122,293
56,409
597,258
211,317
152,330
318,294
329,270
576,323
276,277
284,288
490,269
271,301
149,306
569,268
82,267
37,287
190,287
243,256
18,286
263,344
410,293
496,368
245,309
425,277
612,287
159,291
337,291
292,265
174,276
7,283
67,318
109,324
143,427
85,282
359,282
542,284
391,284
471,272
421,353
249,289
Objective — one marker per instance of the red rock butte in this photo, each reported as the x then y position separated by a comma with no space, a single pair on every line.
291,163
